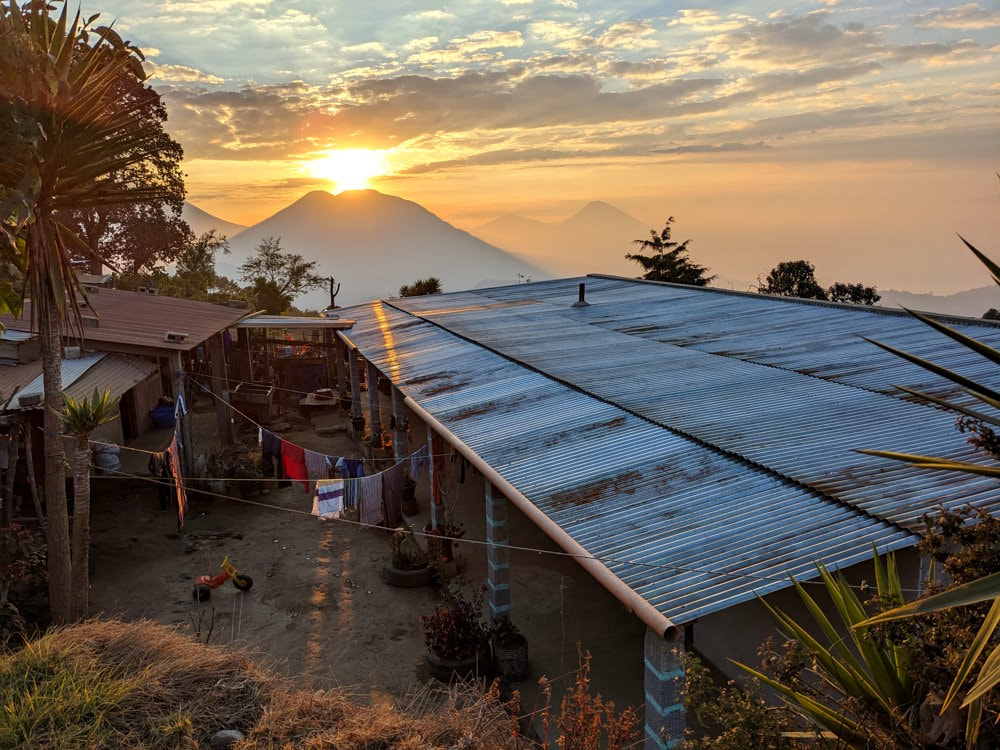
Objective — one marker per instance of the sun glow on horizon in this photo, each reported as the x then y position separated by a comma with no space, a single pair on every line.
351,168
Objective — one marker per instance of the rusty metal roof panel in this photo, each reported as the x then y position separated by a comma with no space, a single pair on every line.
803,427
687,526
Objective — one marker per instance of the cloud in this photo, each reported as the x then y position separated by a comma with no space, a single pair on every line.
966,16
364,47
180,74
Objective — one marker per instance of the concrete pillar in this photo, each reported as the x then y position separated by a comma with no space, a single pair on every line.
246,362
497,553
339,355
436,459
664,682
374,410
399,442
220,387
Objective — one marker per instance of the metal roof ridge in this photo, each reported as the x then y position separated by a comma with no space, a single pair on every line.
677,431
871,309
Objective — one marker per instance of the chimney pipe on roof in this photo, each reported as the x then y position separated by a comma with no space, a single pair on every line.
581,302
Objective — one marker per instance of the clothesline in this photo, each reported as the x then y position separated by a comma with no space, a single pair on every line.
485,543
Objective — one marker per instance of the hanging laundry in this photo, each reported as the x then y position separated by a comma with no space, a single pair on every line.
270,453
173,454
392,492
180,407
418,462
294,461
371,499
159,467
317,465
329,500
351,494
351,467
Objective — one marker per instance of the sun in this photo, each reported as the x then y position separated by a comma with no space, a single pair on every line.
350,168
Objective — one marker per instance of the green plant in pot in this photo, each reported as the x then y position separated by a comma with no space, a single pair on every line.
409,566
457,636
510,650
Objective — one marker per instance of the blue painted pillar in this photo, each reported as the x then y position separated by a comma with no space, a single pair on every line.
497,553
664,682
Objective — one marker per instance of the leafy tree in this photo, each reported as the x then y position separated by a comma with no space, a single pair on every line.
857,294
420,287
275,277
194,275
797,278
668,261
136,237
70,135
991,314
81,418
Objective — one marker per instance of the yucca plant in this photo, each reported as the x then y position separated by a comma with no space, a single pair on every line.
857,675
69,133
81,418
986,588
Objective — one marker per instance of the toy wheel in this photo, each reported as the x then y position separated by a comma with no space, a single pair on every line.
201,592
242,582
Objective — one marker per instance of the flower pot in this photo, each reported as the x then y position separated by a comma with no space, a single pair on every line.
511,658
447,670
408,579
217,486
163,417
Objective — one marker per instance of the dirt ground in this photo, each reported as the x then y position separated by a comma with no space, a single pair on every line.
319,610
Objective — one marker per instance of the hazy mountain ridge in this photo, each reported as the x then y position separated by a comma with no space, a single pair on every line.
373,243
202,221
972,303
593,240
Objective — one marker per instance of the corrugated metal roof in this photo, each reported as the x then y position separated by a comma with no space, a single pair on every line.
262,320
133,321
690,527
80,376
782,401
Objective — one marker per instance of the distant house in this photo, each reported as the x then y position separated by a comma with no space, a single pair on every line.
692,447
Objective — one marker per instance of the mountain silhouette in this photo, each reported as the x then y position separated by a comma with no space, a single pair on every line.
593,240
201,221
972,303
373,243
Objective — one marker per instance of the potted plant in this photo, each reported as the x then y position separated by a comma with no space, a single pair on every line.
236,468
409,566
457,638
510,650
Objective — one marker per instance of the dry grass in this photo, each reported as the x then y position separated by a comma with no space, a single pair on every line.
114,684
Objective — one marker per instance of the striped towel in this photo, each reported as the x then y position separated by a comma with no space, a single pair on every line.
329,499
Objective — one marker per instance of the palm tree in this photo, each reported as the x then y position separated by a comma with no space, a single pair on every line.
61,83
80,419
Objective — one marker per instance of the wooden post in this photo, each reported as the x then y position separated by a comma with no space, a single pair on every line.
246,362
435,450
177,386
331,359
220,387
374,411
357,417
29,464
399,443
8,489
339,355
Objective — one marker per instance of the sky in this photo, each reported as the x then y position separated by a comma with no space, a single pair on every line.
859,135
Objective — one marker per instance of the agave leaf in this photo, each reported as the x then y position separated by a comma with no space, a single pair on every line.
972,719
972,655
944,372
988,678
843,727
930,462
967,341
980,590
993,268
981,416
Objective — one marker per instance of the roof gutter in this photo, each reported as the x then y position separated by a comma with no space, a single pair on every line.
650,616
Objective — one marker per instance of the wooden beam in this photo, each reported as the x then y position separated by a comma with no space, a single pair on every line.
343,382
331,360
245,369
220,387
